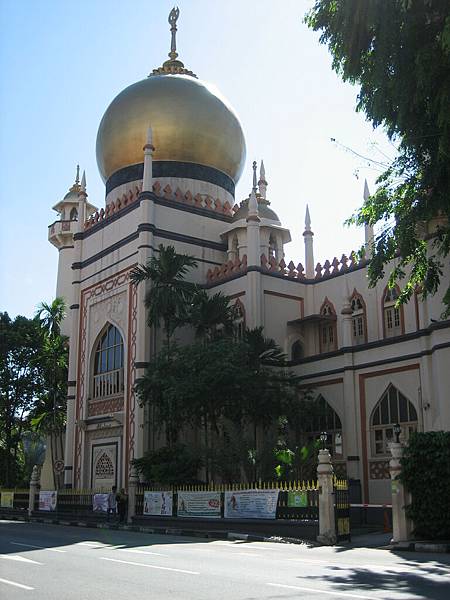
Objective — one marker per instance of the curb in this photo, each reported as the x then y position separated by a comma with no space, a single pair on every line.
218,535
441,548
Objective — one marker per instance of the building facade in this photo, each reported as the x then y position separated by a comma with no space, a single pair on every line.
170,151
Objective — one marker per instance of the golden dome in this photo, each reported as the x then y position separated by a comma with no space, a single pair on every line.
191,123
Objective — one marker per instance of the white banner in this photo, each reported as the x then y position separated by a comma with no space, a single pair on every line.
199,504
47,500
7,500
158,503
100,503
251,504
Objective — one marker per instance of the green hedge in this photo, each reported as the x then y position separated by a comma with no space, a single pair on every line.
426,474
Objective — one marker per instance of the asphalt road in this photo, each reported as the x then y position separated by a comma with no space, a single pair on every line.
52,562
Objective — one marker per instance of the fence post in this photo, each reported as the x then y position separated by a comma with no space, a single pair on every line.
401,525
34,483
132,486
327,522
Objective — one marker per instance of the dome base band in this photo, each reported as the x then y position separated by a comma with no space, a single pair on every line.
172,168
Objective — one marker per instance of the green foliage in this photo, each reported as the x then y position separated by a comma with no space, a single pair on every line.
169,466
426,474
398,53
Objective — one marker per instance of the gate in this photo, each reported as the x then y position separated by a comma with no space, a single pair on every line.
342,510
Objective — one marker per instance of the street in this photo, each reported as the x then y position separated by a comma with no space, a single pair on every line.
52,562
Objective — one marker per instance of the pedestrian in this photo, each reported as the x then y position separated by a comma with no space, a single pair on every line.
112,502
122,501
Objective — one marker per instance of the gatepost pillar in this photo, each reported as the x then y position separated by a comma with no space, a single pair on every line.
132,488
34,484
327,522
401,525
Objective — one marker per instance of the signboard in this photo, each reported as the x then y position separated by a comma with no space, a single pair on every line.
158,503
199,504
47,500
297,499
7,500
100,503
251,504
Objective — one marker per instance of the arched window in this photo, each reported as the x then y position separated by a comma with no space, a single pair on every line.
74,214
323,417
108,364
239,320
297,350
392,316
392,408
273,248
328,338
359,329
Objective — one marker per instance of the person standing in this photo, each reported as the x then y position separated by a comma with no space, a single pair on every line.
122,501
112,502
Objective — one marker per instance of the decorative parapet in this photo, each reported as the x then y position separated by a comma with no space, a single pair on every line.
203,201
330,269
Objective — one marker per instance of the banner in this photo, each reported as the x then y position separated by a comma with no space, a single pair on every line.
7,500
199,504
158,503
100,503
251,504
297,499
47,500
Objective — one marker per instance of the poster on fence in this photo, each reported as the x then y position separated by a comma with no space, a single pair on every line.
47,500
158,503
297,499
251,504
7,500
100,503
199,504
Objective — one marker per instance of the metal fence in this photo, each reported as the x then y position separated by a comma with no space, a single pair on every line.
342,509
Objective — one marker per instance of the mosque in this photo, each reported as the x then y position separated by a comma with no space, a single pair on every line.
170,151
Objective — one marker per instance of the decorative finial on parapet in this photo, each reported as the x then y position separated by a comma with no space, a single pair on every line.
262,183
76,184
173,66
254,175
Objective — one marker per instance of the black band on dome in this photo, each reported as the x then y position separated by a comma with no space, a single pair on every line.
172,168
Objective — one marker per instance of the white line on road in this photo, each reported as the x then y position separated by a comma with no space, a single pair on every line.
321,591
19,558
33,546
135,551
19,585
126,562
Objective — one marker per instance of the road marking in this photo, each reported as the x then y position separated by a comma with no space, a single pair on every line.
19,558
126,562
135,551
307,589
93,544
19,585
33,546
247,554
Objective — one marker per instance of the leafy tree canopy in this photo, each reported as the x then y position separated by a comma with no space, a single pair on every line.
398,52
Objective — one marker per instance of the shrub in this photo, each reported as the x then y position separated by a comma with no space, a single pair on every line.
426,474
169,466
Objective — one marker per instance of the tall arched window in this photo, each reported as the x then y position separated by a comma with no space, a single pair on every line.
328,338
239,320
297,352
392,316
323,417
74,214
392,408
273,248
358,319
108,364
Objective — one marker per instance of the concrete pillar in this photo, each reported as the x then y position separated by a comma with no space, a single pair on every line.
132,489
327,522
34,485
401,525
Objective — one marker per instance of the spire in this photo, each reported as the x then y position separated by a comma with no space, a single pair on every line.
309,246
147,183
173,66
253,213
307,220
262,183
254,175
76,186
366,191
83,185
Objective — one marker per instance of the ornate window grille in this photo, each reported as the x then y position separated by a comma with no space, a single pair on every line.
108,365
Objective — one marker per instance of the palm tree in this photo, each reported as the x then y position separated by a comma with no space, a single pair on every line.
51,315
210,315
262,350
169,294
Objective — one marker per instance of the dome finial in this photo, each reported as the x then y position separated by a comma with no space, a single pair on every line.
173,66
76,185
173,18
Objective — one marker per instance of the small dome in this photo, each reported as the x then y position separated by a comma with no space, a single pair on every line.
263,209
71,196
190,120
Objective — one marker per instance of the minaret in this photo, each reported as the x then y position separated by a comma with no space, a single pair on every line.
262,183
368,229
254,312
148,162
309,249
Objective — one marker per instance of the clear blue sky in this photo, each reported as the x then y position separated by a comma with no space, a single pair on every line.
63,62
